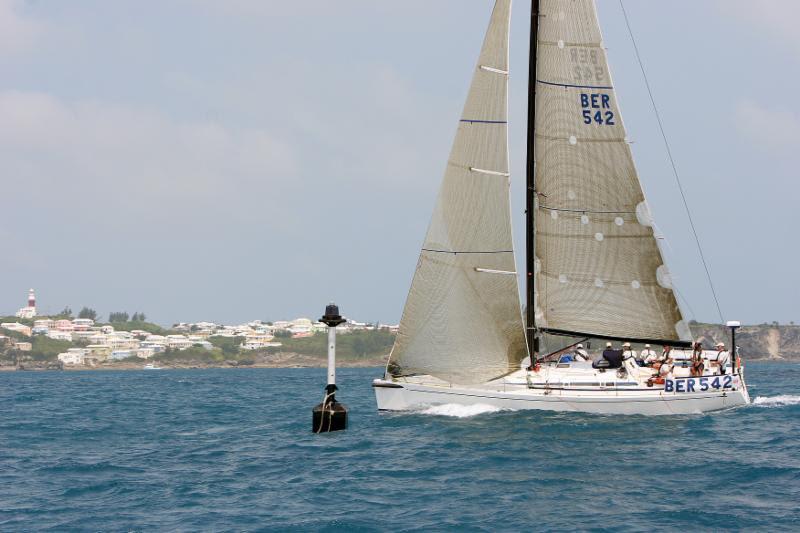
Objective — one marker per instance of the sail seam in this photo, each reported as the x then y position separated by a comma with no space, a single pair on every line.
574,86
471,121
465,252
581,139
562,209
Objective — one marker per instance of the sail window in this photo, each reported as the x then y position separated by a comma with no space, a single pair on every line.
493,271
619,221
490,172
599,237
562,278
560,43
584,219
571,194
495,70
599,283
635,284
573,140
554,215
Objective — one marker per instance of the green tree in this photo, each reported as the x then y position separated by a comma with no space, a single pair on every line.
87,312
65,313
118,316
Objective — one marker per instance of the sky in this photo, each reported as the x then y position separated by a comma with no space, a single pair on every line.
239,160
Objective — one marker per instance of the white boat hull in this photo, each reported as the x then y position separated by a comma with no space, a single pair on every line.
394,396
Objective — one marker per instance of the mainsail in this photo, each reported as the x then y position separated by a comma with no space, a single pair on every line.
598,268
462,319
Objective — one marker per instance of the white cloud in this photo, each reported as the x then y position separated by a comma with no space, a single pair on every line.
102,157
774,130
773,20
17,33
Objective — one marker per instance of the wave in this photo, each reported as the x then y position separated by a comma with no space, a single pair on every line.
777,401
460,411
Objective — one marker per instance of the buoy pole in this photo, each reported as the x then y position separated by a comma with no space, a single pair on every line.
331,359
330,415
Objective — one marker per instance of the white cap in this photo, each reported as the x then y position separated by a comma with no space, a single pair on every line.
646,345
580,346
627,345
608,345
720,344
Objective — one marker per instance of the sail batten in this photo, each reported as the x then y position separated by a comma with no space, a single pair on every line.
599,268
462,320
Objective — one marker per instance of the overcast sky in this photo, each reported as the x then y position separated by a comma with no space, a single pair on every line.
254,159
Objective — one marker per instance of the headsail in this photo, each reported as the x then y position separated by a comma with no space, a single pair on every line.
598,267
462,320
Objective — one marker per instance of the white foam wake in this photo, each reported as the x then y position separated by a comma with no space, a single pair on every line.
460,411
777,401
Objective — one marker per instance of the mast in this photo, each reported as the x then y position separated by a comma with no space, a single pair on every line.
530,194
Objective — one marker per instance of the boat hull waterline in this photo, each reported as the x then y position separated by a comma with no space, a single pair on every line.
393,396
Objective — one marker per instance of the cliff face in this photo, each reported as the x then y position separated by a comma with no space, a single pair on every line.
755,342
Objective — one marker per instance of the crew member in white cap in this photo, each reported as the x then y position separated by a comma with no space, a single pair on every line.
723,357
628,353
581,354
649,355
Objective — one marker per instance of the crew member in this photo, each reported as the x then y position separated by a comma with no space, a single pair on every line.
581,354
648,355
723,357
697,360
628,353
614,357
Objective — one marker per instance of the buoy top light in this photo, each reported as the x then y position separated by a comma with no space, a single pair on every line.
734,324
332,318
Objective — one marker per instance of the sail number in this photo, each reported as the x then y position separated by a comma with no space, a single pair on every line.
597,109
698,384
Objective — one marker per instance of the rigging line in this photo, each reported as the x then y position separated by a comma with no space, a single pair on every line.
672,161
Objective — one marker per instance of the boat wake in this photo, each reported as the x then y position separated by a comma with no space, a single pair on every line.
459,411
777,401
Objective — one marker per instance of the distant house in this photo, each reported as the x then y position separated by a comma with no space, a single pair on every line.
64,325
82,324
23,346
73,356
59,335
16,326
118,355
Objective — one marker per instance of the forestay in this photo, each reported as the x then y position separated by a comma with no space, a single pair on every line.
599,269
462,320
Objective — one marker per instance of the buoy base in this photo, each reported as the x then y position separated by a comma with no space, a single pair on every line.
329,417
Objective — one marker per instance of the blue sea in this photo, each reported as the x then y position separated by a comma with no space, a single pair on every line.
232,450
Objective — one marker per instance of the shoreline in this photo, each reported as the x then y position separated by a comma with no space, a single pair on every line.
296,361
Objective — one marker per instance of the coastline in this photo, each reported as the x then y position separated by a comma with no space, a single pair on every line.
292,360
282,360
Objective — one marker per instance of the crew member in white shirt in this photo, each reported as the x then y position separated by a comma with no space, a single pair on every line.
628,353
581,354
723,357
649,355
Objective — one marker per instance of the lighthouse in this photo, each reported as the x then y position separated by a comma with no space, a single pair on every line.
30,310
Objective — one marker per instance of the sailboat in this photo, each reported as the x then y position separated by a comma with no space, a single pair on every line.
595,272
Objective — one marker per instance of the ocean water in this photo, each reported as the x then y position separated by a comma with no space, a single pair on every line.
219,450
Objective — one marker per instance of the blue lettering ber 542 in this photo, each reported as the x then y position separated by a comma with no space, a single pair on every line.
698,384
601,102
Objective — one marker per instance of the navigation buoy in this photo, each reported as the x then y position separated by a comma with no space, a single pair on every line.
330,415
